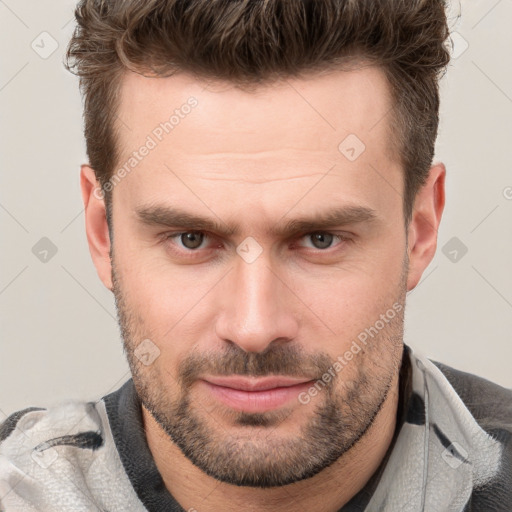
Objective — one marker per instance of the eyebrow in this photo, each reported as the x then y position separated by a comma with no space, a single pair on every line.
164,216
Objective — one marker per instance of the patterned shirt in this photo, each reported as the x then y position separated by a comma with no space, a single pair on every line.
451,452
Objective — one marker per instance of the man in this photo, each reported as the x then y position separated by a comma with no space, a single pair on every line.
260,197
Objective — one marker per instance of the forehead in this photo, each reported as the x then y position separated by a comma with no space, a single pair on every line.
269,117
294,131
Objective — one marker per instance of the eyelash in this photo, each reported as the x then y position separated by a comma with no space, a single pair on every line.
340,238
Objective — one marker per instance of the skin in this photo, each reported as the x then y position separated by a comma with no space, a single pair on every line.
255,160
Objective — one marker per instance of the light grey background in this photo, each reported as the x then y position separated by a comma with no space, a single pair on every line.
59,336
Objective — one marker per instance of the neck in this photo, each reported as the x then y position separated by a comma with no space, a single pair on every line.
327,491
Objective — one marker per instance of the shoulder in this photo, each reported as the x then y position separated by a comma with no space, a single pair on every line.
489,403
491,406
71,424
38,446
63,458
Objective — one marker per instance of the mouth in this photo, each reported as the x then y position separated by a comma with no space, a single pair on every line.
255,394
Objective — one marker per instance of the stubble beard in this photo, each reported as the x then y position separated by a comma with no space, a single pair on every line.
254,453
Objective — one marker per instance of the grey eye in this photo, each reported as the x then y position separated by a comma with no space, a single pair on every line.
191,240
321,240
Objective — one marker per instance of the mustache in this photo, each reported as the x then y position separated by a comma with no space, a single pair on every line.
284,360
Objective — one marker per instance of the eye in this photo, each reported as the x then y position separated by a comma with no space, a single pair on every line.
190,240
322,240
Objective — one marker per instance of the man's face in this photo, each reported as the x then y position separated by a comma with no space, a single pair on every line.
299,261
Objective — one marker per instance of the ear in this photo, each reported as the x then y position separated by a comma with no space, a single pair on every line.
422,231
96,224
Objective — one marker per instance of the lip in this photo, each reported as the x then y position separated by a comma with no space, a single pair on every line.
255,394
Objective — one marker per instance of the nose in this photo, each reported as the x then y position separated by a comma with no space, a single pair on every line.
256,307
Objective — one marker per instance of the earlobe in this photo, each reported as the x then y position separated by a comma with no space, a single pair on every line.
96,224
424,224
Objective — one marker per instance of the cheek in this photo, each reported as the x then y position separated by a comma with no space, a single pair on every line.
368,323
171,304
354,292
349,311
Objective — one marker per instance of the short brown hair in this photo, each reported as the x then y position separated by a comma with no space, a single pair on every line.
254,41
